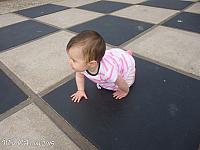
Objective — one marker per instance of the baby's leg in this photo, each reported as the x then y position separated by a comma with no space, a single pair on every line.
131,77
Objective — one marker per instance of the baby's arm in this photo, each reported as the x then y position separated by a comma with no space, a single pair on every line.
80,82
123,88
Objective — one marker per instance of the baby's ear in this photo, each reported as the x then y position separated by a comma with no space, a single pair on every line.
93,63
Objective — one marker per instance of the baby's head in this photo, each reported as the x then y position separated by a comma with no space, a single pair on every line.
85,49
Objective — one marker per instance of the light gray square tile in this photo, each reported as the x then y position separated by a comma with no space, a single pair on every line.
70,17
145,13
194,8
73,3
129,1
176,48
8,19
190,0
13,5
41,63
32,129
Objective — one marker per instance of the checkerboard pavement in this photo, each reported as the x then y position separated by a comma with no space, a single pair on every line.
36,81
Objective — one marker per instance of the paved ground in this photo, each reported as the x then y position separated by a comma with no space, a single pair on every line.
33,58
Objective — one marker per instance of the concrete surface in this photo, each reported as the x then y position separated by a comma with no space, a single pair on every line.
176,48
7,6
72,3
145,13
69,17
30,128
40,64
44,65
13,18
194,8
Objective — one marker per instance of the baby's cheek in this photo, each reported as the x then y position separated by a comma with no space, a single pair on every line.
69,62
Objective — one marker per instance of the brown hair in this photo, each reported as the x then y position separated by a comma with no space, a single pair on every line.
93,45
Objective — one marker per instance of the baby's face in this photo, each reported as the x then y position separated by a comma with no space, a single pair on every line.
76,59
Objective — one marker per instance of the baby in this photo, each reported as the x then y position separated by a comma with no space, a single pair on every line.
112,69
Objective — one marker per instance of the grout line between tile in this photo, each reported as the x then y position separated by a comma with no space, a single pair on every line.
54,116
167,66
62,29
11,48
30,6
156,25
15,109
22,85
56,85
62,124
157,62
75,136
33,19
148,30
66,29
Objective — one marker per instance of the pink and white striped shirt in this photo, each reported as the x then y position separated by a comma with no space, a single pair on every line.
115,62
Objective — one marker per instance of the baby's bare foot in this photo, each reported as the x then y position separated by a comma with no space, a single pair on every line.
130,52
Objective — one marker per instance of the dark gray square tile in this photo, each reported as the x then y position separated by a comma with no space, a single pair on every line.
161,112
10,94
115,30
41,10
185,21
22,32
170,4
104,6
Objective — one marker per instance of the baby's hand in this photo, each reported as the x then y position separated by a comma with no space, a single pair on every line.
76,97
119,94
